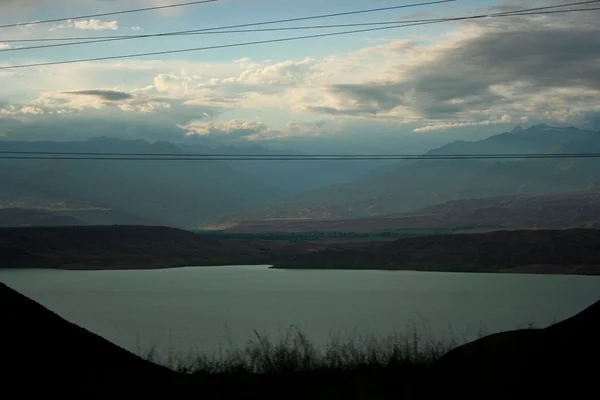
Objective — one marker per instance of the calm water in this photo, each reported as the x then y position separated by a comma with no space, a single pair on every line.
205,308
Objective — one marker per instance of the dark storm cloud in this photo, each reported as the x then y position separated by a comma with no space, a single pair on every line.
529,55
108,95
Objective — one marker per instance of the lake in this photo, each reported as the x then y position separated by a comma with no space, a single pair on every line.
207,308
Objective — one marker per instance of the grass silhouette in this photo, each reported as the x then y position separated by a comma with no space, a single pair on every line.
294,352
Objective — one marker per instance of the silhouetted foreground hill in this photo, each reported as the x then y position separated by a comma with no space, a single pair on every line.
41,351
541,360
39,345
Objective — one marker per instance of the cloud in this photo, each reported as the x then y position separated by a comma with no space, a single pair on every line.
108,95
253,130
442,126
477,76
534,67
232,129
90,25
97,25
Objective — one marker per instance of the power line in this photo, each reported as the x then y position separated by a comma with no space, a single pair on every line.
214,32
218,29
221,28
428,156
396,23
311,158
288,39
106,14
193,33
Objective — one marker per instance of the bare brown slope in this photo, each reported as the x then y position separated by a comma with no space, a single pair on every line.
574,251
546,211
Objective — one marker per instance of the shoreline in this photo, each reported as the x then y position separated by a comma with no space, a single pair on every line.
514,271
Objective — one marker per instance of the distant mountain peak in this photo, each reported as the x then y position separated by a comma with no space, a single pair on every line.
517,129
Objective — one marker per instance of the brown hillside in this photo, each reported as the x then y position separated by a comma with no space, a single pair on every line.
98,247
551,251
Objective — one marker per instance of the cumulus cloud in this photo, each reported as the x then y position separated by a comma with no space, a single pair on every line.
234,128
90,25
253,130
97,25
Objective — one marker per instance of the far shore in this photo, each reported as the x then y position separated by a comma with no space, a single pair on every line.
521,270
95,248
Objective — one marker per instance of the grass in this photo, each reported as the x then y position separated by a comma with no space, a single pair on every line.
294,352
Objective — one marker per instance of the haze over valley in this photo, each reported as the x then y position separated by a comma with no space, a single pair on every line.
222,194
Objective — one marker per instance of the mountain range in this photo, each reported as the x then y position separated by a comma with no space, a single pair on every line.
149,192
221,194
415,185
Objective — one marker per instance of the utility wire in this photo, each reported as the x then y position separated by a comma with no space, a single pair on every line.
288,39
428,156
308,158
193,33
398,23
220,29
131,11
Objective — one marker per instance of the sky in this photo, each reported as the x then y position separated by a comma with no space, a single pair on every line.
373,91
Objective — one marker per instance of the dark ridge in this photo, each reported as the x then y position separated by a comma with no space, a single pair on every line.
52,355
545,360
39,346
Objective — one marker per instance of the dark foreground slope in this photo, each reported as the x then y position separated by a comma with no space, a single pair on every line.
574,251
560,357
43,352
41,348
